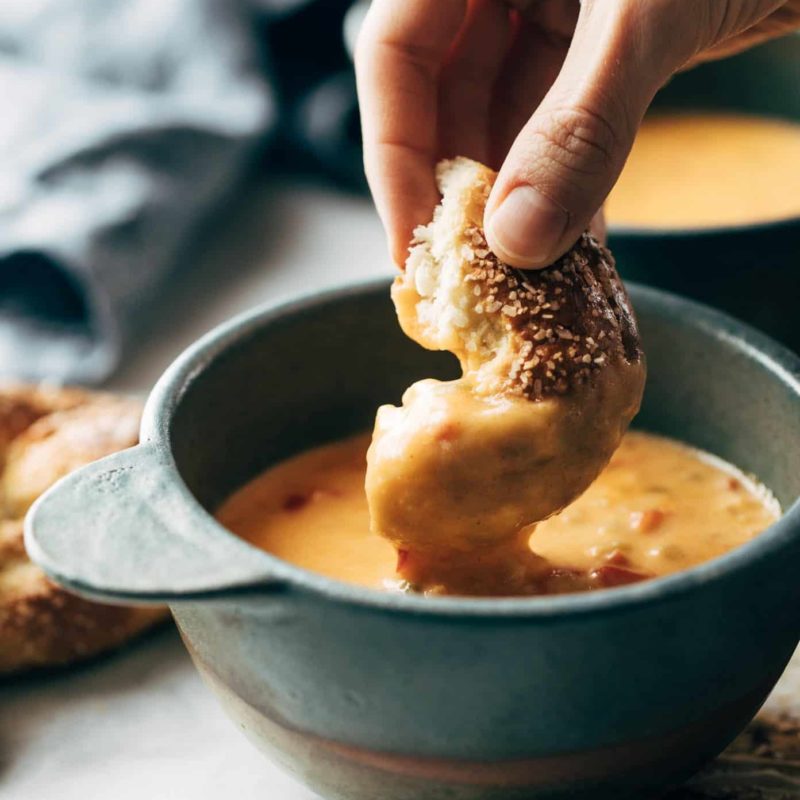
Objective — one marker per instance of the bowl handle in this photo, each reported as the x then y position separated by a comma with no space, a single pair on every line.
122,529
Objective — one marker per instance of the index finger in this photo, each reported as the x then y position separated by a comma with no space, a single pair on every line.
400,52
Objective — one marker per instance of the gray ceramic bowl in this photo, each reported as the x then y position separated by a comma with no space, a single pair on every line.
366,695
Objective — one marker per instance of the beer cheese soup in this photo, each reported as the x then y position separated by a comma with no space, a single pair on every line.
698,170
657,508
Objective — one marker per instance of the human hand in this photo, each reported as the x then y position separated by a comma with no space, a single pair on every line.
550,92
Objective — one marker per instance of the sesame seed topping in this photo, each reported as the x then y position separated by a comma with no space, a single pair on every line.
565,322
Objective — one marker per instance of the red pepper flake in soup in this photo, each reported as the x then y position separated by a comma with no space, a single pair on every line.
294,502
647,521
617,558
448,432
402,559
610,575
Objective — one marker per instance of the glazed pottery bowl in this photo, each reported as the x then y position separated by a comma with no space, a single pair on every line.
362,694
750,271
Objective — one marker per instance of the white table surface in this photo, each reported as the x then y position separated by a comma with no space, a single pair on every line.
140,725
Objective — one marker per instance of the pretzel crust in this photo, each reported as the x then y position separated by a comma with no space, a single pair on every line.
536,333
45,434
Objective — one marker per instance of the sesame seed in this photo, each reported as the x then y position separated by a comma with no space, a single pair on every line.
545,360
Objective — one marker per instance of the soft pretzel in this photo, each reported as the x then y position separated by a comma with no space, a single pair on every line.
553,373
535,333
45,434
21,405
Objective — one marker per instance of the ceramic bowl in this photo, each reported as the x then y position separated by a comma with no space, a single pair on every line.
750,271
362,694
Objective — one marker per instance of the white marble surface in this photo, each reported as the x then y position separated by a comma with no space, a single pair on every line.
140,725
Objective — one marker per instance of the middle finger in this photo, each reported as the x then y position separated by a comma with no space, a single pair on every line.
468,77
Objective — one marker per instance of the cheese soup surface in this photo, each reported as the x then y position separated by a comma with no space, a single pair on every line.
704,169
657,508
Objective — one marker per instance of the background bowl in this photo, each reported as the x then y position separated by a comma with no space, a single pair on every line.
362,694
751,271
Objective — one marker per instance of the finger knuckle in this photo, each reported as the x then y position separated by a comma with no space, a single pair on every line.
727,19
579,140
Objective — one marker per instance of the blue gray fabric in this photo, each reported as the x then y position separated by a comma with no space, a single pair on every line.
123,123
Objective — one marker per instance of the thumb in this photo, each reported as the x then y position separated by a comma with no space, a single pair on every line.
569,154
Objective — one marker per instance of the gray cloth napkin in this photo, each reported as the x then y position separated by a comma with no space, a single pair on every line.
121,123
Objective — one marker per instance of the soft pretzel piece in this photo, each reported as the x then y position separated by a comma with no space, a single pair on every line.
21,405
58,443
45,434
553,375
535,333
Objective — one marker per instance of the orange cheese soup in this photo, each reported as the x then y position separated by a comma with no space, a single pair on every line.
658,507
695,170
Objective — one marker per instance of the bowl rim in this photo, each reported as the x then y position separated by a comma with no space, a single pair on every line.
284,576
642,232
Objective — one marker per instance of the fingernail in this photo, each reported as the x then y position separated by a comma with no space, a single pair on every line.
527,227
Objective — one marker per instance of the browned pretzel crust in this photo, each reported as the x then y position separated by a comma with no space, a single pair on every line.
570,320
44,434
535,333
